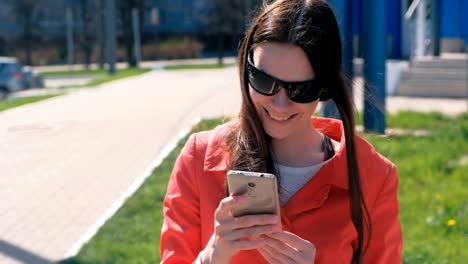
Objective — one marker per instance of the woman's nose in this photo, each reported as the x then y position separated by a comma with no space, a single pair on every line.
281,99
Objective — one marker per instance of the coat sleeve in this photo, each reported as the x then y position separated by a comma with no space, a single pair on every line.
180,234
386,242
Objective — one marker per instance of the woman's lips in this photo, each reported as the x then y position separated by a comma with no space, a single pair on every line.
279,117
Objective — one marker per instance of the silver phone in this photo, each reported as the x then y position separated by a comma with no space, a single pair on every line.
261,189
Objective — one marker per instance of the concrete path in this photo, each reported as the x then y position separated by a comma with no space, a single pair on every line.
67,160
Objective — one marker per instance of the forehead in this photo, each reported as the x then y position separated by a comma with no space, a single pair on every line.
283,61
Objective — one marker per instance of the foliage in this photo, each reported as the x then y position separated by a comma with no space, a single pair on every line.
124,8
173,48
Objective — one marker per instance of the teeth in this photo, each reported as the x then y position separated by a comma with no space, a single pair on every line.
279,118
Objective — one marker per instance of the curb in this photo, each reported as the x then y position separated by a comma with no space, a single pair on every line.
88,235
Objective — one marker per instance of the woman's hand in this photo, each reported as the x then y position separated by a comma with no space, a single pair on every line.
232,234
283,247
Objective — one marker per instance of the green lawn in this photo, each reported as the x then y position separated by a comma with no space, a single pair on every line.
101,75
11,103
75,73
120,74
103,78
433,197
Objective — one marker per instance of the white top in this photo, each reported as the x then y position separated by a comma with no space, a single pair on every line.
293,178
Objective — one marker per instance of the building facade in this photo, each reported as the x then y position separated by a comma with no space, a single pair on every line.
168,17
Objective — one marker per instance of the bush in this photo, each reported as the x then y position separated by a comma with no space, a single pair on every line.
173,48
55,52
40,55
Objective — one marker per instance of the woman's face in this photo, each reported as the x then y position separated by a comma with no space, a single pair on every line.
281,117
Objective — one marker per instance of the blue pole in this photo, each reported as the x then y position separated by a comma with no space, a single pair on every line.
394,28
435,4
374,55
343,12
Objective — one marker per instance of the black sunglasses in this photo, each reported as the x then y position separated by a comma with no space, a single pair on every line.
299,92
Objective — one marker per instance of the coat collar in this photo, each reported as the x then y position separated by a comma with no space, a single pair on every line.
333,172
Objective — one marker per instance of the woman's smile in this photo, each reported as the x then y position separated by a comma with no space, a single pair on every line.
279,117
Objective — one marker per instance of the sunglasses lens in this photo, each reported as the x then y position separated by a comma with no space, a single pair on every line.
299,92
261,82
304,93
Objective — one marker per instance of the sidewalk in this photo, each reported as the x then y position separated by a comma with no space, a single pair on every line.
67,160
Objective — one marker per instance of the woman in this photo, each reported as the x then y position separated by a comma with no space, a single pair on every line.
338,195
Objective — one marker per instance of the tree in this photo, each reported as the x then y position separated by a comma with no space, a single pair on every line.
24,9
86,38
125,13
227,18
99,7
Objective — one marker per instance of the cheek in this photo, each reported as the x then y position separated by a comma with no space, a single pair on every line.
312,107
258,99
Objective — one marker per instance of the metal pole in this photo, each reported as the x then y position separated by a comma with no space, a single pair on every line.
343,11
110,35
70,41
374,55
420,28
406,32
136,36
435,5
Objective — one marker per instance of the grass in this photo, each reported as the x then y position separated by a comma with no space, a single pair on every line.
120,74
142,218
101,75
74,73
12,103
104,78
197,66
434,208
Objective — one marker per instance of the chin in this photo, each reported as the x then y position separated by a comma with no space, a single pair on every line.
276,132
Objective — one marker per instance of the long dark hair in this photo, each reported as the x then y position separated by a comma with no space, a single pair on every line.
311,25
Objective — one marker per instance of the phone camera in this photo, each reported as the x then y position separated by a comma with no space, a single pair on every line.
251,184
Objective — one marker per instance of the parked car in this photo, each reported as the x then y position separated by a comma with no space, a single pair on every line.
14,77
11,76
32,78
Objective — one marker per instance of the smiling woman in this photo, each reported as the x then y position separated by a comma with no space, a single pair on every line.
283,119
338,195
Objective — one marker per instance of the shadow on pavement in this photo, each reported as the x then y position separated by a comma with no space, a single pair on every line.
20,254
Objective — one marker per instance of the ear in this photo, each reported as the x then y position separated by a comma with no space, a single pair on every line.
325,95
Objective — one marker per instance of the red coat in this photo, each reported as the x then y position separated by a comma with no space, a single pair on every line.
319,212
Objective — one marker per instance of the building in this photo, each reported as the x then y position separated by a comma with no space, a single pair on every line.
174,17
450,17
179,17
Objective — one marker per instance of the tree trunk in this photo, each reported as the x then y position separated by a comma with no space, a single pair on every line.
88,53
28,37
220,48
101,33
129,49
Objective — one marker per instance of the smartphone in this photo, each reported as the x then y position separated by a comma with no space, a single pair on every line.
261,190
